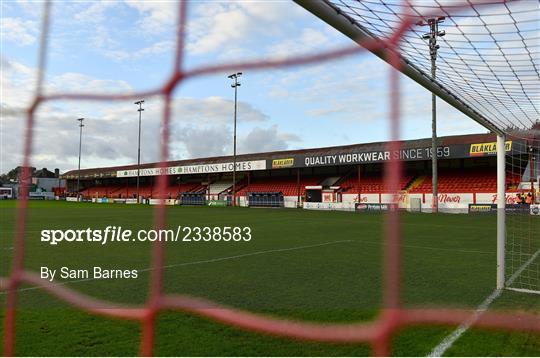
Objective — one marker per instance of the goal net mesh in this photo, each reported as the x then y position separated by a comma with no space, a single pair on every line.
488,56
499,87
522,252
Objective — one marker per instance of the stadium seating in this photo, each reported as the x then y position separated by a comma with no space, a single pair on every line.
192,199
199,188
461,181
102,191
450,181
172,190
263,199
146,190
371,184
285,185
219,186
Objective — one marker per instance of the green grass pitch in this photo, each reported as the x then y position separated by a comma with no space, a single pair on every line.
310,265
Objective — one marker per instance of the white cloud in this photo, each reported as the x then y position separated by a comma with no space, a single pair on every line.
118,30
308,40
203,127
95,12
350,91
156,16
18,82
19,31
77,82
157,48
225,27
54,121
214,111
199,126
30,7
203,142
216,140
219,26
266,140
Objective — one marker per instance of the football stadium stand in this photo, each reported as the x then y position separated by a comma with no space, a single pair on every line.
372,184
340,176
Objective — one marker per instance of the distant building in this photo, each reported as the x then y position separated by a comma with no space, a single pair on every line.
44,173
41,181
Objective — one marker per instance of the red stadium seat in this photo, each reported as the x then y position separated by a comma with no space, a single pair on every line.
463,181
285,185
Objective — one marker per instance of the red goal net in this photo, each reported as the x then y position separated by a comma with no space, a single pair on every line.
377,333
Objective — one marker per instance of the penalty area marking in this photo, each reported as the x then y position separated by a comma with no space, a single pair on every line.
449,340
217,259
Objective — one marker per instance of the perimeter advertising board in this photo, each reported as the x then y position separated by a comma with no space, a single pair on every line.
375,207
482,208
216,203
511,208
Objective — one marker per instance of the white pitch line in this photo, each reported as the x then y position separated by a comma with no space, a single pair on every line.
218,259
523,290
449,340
250,254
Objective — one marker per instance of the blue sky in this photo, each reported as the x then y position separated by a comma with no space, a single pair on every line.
128,46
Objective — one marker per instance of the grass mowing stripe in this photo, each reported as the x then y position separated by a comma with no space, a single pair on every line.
218,259
454,336
422,247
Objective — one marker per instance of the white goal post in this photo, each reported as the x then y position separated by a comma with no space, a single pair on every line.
501,210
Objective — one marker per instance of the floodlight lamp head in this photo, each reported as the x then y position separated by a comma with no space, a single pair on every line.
426,36
441,33
235,75
440,19
140,102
